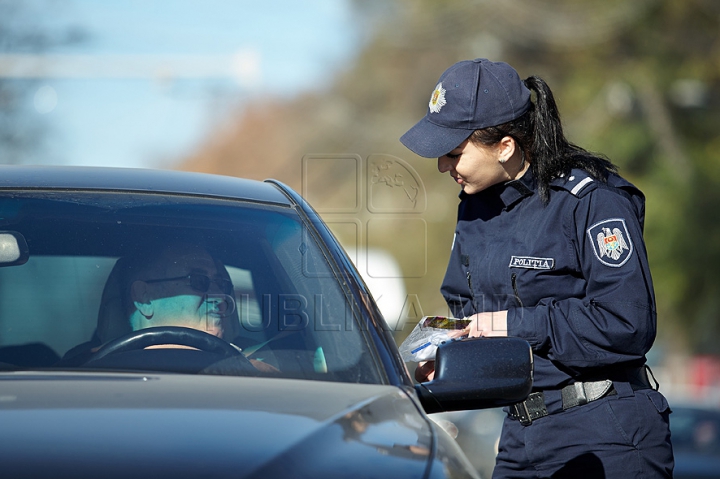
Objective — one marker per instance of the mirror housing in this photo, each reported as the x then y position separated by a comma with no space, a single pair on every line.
477,373
13,249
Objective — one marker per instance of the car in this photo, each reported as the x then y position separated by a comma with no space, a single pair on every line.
695,430
291,370
477,432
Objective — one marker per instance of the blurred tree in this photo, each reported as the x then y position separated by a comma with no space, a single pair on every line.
637,81
22,130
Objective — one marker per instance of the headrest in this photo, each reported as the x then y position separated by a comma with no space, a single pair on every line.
113,316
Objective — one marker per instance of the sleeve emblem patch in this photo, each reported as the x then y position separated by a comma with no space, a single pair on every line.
611,242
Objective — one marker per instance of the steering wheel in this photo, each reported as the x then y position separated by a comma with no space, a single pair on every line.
169,335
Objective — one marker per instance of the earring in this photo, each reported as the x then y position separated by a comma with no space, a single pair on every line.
503,160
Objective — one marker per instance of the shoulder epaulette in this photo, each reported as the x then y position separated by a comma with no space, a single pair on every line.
578,182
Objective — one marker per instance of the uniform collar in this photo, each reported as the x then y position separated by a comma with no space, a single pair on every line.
515,190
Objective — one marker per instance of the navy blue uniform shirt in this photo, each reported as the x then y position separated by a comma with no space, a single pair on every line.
573,273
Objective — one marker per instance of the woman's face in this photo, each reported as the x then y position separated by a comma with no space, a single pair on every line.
476,167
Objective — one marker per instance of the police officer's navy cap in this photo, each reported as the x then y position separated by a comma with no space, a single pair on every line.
470,95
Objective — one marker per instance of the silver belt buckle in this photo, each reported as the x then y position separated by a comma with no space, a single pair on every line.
580,394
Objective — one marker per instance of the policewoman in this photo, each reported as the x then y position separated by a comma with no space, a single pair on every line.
549,248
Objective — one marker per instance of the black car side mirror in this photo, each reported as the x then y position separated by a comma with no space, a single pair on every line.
476,373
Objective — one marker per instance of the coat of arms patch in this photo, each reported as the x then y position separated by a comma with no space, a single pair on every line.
611,242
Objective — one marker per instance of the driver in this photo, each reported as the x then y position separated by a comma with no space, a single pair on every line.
178,285
183,286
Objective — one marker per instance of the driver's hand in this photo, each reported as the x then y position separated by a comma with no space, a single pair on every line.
264,367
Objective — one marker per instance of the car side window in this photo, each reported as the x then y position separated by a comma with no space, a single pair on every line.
52,300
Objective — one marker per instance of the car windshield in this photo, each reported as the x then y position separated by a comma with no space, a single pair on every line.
101,269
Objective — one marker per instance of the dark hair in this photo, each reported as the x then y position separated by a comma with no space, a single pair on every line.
539,134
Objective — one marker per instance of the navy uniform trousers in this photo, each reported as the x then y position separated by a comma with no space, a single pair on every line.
620,436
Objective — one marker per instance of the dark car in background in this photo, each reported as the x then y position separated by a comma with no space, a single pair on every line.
695,433
305,379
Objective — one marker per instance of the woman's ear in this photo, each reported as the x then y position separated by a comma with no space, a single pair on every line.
506,149
141,298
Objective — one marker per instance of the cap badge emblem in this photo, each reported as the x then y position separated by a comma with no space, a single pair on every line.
437,99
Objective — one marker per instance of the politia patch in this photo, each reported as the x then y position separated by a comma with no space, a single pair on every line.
437,99
611,242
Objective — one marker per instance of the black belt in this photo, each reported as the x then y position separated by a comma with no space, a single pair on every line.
576,394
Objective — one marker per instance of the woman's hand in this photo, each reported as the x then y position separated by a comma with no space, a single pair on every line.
492,324
425,371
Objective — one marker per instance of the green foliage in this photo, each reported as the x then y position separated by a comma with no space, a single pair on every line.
637,81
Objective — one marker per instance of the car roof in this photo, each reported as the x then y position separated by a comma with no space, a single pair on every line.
92,178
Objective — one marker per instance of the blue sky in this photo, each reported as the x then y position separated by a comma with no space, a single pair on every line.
152,78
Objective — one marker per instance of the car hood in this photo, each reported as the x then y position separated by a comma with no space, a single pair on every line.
113,425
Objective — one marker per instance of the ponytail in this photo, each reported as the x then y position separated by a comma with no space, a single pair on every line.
539,134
